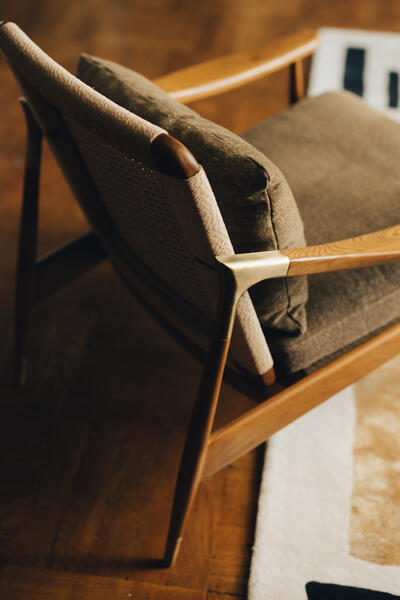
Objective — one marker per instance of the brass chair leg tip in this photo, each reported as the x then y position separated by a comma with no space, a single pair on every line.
171,553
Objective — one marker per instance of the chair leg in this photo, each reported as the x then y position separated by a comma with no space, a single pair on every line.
198,434
194,451
185,491
296,82
27,241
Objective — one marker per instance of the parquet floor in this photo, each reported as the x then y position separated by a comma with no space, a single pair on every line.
90,447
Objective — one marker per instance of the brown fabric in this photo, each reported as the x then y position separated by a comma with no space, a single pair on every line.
104,152
254,199
340,158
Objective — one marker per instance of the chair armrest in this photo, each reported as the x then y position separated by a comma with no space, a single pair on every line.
367,250
228,72
364,251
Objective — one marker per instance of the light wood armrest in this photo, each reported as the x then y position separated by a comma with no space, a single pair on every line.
367,250
228,72
364,251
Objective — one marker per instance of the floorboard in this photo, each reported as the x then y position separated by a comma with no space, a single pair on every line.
30,584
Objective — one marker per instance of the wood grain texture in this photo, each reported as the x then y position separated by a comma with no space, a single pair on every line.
17,583
194,451
246,432
228,571
220,75
74,494
363,251
173,158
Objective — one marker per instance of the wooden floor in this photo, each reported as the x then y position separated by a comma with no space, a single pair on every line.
90,448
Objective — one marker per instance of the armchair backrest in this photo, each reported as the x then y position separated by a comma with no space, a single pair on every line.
161,231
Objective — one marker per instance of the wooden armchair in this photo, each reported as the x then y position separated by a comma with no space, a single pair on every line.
85,129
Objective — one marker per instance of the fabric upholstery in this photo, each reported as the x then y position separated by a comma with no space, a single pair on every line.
340,158
169,223
141,216
255,201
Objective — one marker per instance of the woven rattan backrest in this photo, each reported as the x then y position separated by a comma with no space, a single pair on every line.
169,227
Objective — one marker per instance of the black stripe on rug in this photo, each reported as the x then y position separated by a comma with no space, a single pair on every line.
330,591
354,71
393,89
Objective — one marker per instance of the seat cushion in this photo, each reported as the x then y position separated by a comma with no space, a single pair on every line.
254,198
340,158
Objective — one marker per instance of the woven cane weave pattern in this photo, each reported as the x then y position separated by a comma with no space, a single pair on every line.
137,203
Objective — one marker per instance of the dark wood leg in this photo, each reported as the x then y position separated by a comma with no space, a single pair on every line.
200,426
296,82
27,241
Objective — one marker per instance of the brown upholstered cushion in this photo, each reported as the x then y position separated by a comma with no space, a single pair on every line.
340,158
253,196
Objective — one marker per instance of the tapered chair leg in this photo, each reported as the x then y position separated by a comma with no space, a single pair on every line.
27,241
296,82
200,426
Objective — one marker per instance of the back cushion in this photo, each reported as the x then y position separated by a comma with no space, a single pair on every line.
254,198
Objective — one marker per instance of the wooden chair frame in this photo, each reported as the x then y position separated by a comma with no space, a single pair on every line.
207,451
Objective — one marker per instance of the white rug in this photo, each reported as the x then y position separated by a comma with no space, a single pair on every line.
322,516
303,521
366,62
